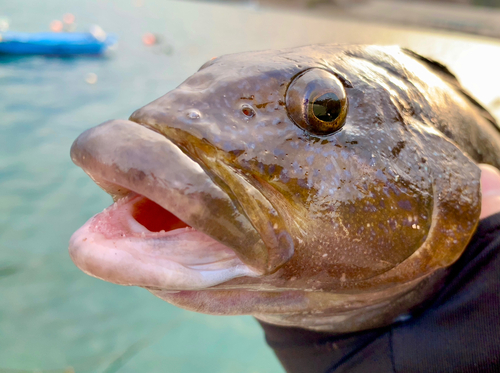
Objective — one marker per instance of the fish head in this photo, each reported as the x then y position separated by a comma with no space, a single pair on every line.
292,182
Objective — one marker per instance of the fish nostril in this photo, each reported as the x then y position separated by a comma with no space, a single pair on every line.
247,111
193,114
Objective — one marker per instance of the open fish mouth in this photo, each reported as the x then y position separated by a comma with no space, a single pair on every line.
171,226
125,246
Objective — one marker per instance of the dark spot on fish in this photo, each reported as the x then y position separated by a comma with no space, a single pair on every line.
345,82
378,120
351,142
283,176
247,98
396,190
393,224
382,227
410,110
262,106
380,175
314,139
245,164
278,152
405,204
369,208
137,174
397,149
236,153
398,118
302,183
281,103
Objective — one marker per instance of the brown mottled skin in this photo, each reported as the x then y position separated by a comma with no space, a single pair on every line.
348,230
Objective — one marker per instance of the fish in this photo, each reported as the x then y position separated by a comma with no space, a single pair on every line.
325,187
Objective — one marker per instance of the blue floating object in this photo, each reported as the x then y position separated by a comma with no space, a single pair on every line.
53,43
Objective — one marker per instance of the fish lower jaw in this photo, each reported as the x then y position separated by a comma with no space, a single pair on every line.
114,246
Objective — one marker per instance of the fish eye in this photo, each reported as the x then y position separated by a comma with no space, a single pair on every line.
316,102
247,111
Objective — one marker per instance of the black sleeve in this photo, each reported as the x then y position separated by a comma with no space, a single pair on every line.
458,332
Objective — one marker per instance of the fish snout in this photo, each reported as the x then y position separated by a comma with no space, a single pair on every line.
123,157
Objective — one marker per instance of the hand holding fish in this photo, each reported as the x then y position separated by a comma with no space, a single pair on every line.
490,189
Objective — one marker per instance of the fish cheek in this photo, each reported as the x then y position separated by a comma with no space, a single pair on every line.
380,230
456,205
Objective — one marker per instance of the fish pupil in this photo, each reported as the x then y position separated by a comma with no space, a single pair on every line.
327,107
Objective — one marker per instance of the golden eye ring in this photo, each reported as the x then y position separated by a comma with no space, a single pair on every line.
316,101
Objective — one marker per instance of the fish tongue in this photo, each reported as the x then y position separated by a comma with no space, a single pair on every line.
154,217
133,215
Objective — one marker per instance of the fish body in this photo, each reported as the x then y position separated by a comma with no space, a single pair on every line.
326,187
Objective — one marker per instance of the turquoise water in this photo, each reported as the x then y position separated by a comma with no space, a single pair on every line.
54,318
